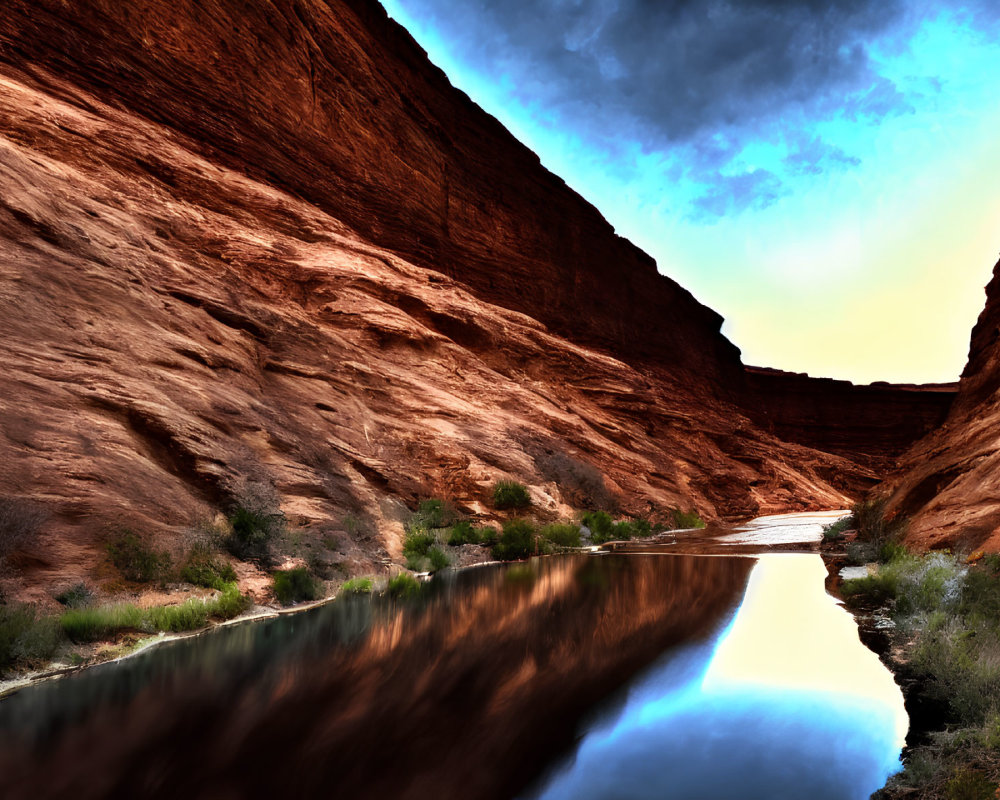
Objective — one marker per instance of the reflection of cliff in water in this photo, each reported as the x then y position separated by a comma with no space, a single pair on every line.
471,694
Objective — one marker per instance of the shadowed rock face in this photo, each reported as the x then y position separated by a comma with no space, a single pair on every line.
471,696
950,481
871,424
271,239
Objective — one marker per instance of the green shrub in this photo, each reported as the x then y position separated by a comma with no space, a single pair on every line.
834,532
623,530
516,542
202,568
256,522
188,616
418,542
357,586
135,559
463,533
403,585
295,585
76,596
871,590
438,558
562,535
600,525
684,520
26,637
510,495
434,514
230,603
490,536
252,534
92,624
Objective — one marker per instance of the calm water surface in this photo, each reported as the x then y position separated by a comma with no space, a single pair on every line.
621,676
784,703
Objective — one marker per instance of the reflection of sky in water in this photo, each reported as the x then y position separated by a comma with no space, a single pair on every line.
786,703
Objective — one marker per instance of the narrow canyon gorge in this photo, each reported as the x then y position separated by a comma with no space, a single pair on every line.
271,241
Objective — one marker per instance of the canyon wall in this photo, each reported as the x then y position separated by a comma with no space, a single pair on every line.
336,104
949,482
871,424
269,241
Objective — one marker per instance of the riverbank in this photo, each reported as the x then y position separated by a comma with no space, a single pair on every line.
933,620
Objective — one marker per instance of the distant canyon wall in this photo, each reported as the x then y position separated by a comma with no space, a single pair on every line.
871,424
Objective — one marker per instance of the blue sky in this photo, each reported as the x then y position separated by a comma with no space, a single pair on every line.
820,173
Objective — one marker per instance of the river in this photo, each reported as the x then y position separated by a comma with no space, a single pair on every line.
632,675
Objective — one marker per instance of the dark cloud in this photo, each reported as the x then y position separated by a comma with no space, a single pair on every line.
701,77
679,67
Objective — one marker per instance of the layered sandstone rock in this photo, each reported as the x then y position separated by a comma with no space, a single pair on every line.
870,424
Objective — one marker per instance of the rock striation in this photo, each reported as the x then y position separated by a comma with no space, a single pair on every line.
271,240
871,424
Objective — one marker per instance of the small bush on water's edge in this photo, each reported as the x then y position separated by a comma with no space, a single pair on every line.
403,585
946,616
357,586
93,624
600,525
463,533
684,520
27,638
516,542
295,585
834,532
562,535
604,529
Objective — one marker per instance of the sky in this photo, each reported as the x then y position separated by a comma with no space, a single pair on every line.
822,174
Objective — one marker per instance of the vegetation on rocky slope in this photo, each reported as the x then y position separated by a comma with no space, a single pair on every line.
945,649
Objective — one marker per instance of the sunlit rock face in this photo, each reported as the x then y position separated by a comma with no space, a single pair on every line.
786,703
470,695
949,482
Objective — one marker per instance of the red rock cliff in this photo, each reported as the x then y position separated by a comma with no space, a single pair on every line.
870,424
337,105
269,238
